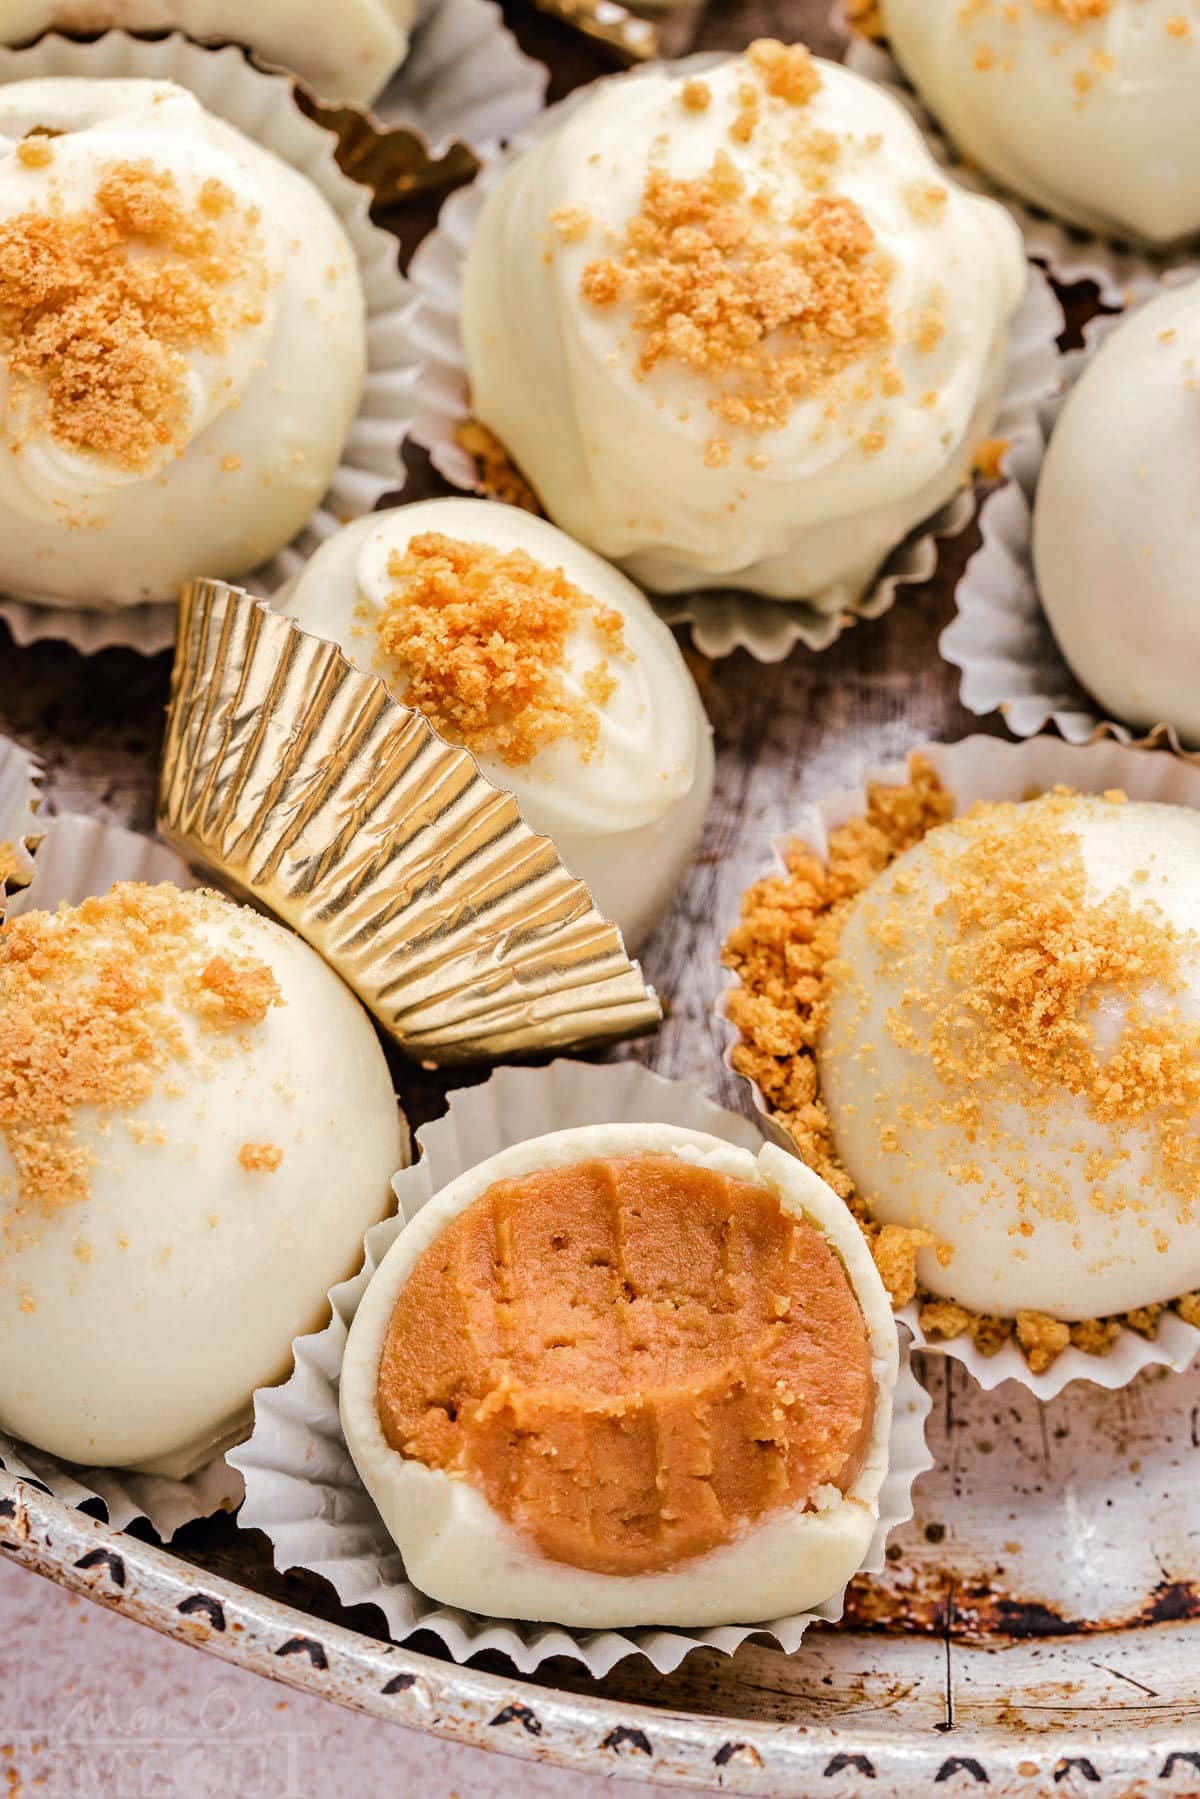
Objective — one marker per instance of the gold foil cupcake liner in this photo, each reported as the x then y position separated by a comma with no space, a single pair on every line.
78,857
305,787
986,768
20,831
303,1490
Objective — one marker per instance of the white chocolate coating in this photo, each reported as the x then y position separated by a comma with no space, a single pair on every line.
626,820
136,1323
270,411
344,50
1107,1234
1116,526
460,1551
618,459
1095,119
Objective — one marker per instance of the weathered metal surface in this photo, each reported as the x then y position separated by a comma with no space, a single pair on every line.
1038,1627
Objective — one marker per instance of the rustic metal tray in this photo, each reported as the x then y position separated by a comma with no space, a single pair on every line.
1037,1630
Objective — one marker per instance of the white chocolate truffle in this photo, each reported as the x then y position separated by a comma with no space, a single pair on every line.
197,1125
1011,1057
1116,525
344,51
1088,108
182,344
457,1545
607,749
737,329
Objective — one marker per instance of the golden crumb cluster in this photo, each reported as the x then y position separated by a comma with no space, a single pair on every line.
495,471
94,1001
1024,949
480,637
98,307
770,312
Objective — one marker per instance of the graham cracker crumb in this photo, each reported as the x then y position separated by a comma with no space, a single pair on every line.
497,473
1042,1339
480,636
1037,948
34,151
989,457
768,311
99,306
92,1006
260,1158
695,95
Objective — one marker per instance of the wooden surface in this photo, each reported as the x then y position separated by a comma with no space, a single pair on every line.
1019,1536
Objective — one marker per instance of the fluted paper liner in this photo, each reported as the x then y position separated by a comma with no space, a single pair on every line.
1001,639
301,1485
721,620
308,788
79,857
20,831
986,768
1122,272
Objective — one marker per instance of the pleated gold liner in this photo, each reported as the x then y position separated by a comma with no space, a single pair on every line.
308,789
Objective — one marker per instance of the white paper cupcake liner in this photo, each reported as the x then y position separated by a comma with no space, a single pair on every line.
263,106
1000,638
465,77
723,620
301,1485
76,858
19,828
1122,272
986,768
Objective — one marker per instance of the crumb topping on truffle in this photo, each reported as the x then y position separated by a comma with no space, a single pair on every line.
768,308
260,1158
94,1001
480,637
99,307
1026,950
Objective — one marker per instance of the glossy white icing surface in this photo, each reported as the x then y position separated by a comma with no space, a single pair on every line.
812,508
269,408
1095,117
343,49
627,817
459,1550
1116,529
136,1322
1045,1205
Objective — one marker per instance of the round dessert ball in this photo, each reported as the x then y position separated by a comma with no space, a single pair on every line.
197,1125
1011,1054
1088,108
684,1417
547,664
346,51
736,328
1116,526
182,344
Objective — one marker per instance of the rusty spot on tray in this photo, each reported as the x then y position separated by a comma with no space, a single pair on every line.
200,1605
104,1558
516,1713
961,1764
399,1683
977,1612
861,1764
1181,1758
626,1737
737,1751
1076,1764
305,1646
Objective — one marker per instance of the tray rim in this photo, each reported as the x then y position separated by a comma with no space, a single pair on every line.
523,1720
